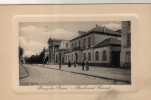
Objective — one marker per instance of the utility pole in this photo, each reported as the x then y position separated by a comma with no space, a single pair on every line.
60,62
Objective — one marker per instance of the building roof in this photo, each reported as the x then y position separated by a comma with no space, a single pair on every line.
102,30
108,42
55,40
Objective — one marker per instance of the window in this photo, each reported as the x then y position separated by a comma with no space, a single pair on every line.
89,56
79,44
84,56
104,56
76,44
89,42
66,45
96,55
68,58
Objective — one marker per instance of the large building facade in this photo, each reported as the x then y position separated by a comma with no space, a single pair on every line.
99,46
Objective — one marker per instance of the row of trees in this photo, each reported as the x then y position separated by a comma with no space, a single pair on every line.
34,59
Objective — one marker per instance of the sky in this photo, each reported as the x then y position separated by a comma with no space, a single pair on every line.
33,36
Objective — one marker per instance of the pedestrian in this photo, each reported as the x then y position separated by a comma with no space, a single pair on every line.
83,65
87,66
60,61
69,64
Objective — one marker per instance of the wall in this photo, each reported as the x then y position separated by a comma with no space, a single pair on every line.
82,43
140,51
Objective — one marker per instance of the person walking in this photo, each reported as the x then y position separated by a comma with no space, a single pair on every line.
69,64
87,66
83,65
60,61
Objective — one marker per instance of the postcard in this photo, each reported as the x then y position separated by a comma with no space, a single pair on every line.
74,53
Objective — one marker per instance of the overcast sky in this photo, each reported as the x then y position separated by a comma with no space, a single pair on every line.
33,36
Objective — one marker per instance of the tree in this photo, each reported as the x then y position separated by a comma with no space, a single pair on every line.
36,59
21,51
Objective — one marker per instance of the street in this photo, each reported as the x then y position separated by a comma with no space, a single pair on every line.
41,75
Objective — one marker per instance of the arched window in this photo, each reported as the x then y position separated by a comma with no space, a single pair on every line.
96,55
104,56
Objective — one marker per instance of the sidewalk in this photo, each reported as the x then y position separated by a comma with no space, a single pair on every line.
116,74
22,72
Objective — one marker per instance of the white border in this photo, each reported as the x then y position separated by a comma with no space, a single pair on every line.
71,1
68,17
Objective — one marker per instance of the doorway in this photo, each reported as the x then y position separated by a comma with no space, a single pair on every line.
115,58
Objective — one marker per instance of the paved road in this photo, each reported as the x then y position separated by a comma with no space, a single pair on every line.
44,76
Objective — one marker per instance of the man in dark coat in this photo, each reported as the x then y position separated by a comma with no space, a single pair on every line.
83,65
69,64
87,66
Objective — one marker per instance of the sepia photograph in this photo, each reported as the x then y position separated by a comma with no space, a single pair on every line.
74,53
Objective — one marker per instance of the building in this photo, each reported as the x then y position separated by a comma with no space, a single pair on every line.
90,46
100,46
55,52
126,44
63,48
53,47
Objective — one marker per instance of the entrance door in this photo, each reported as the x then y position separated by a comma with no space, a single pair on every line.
115,61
